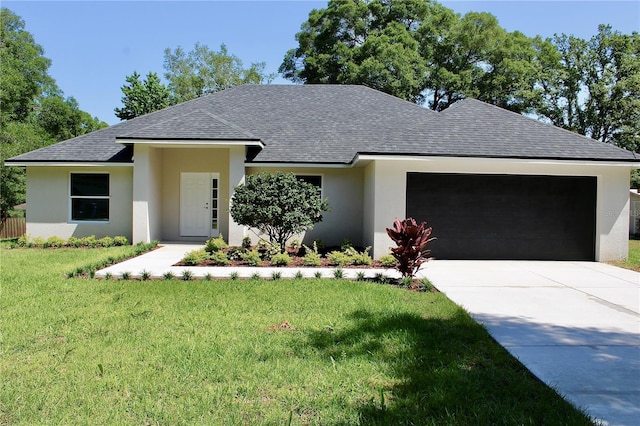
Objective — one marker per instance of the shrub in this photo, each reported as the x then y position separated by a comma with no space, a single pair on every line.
276,275
120,241
246,244
279,205
295,244
312,257
106,242
338,258
220,258
37,242
252,258
215,244
235,253
89,241
125,276
22,241
234,276
168,276
55,242
187,275
207,277
195,257
281,259
74,242
388,261
318,274
411,239
338,273
362,258
299,275
360,276
145,275
346,244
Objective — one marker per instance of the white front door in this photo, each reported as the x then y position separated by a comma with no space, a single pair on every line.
199,204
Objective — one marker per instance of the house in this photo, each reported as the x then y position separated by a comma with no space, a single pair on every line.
493,184
634,213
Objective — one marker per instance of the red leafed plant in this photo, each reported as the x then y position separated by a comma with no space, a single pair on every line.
411,239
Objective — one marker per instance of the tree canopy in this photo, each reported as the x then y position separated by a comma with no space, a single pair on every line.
279,205
202,71
426,53
33,110
142,97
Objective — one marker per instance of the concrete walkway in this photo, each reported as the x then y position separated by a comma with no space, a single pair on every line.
575,325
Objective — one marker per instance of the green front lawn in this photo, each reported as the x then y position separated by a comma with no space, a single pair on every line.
80,351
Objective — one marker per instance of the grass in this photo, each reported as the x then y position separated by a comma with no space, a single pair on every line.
633,260
320,351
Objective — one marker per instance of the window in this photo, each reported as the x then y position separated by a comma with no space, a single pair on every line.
315,180
89,197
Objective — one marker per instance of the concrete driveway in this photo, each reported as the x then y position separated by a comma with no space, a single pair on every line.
575,325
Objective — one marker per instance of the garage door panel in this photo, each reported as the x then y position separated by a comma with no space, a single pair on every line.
506,216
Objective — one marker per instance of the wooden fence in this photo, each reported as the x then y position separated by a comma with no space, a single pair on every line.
13,227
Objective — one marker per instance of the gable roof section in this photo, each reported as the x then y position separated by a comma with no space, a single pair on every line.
332,124
192,125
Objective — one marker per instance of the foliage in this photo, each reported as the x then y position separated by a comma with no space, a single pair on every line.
281,259
246,243
362,258
338,258
33,111
592,86
215,244
416,50
411,240
202,71
57,242
312,257
388,261
220,258
195,257
635,179
24,74
142,97
278,205
252,258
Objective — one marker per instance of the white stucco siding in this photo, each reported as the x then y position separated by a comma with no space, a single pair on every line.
388,178
48,203
343,188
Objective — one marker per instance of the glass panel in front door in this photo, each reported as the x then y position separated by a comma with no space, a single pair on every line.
214,204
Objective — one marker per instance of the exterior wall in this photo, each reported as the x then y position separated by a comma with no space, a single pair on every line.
388,177
343,188
48,202
196,160
147,214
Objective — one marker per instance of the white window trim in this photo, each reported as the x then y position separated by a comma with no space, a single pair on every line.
102,197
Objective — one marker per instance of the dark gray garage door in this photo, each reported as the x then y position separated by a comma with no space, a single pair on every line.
506,216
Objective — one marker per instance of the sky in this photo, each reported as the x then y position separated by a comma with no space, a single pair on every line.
94,45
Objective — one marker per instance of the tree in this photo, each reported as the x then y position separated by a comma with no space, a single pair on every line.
592,86
142,97
202,71
415,49
356,42
278,205
24,74
33,111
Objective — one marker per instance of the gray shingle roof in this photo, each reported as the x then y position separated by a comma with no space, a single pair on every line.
333,123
